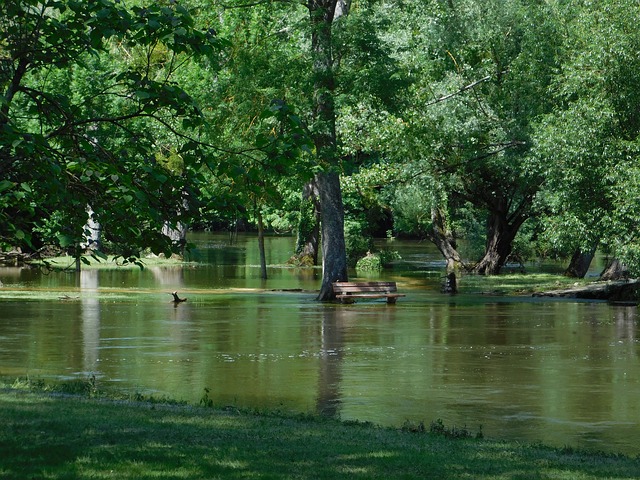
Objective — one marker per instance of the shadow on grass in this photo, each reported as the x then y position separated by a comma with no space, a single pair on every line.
72,438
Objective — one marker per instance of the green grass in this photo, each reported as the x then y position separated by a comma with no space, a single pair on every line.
69,263
517,283
63,436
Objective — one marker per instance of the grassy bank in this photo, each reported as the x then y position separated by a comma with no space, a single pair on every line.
75,437
108,262
517,283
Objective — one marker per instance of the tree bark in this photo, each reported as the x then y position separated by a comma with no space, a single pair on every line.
615,270
442,237
178,235
580,261
501,230
334,257
92,232
263,256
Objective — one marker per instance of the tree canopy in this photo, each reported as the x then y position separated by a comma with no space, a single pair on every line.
495,129
86,89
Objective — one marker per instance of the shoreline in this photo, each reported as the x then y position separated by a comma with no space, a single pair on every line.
95,435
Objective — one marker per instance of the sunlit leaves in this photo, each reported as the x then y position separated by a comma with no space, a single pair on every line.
588,145
88,99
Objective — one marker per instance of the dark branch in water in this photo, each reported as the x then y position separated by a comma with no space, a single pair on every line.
177,299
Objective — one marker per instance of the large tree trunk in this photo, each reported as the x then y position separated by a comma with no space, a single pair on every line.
615,270
580,262
442,237
334,257
500,234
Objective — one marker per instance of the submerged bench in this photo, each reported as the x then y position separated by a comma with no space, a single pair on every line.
348,292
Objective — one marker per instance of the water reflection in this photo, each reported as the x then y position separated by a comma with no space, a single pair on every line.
329,371
564,373
626,323
90,313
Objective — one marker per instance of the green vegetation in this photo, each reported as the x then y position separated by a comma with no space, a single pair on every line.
109,261
516,283
64,436
511,125
123,125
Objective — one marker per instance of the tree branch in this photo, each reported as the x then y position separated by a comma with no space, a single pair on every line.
462,90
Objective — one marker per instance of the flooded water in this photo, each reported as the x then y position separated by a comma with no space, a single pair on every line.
556,372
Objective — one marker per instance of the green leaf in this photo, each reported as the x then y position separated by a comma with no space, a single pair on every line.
98,255
142,94
6,185
65,240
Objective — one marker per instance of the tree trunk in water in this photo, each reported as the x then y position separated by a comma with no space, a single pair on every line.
614,271
442,238
308,227
334,256
500,235
263,257
580,261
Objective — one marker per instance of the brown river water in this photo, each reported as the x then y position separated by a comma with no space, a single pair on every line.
559,372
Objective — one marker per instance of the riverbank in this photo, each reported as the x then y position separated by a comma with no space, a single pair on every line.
106,262
63,436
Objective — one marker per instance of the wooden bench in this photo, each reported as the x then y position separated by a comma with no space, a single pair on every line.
348,292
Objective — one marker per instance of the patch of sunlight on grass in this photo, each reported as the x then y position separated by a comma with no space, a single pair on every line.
139,469
353,470
68,263
360,456
98,471
565,474
231,464
381,454
517,283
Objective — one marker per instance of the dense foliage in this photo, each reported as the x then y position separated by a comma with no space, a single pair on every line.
497,129
89,110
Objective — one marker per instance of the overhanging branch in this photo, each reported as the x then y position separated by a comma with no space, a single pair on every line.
462,90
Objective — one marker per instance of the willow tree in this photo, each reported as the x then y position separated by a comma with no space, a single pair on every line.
588,145
478,86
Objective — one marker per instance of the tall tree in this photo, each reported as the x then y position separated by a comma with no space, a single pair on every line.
334,259
82,102
476,91
588,146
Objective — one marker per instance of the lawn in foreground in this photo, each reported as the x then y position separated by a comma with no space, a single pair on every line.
70,437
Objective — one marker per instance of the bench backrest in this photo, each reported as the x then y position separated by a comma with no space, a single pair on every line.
358,287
